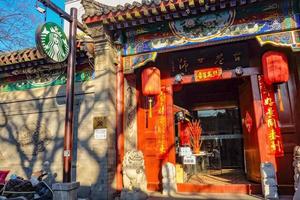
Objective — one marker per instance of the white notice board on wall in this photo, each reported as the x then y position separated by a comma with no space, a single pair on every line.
100,134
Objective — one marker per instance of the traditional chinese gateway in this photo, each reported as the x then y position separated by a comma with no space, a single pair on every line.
209,87
228,68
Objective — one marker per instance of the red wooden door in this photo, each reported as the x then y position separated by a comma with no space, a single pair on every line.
156,135
250,132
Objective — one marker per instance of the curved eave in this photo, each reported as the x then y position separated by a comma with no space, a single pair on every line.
21,56
159,10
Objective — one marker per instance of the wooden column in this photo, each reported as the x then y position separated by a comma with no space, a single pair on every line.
261,126
120,124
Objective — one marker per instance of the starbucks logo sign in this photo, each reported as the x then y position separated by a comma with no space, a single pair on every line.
52,42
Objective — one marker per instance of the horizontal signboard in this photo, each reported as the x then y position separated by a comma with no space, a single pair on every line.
208,74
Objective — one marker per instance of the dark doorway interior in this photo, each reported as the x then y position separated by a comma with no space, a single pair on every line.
221,156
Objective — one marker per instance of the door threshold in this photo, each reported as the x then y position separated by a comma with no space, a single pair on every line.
228,188
196,196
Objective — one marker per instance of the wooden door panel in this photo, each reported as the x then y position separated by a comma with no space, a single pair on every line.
251,149
286,101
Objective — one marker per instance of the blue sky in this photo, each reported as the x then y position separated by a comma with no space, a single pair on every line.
53,17
33,20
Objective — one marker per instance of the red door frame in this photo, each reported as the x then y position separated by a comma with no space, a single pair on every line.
148,137
238,188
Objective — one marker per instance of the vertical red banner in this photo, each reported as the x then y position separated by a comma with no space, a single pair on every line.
274,138
162,124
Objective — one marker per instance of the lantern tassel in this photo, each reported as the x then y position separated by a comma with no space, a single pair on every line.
281,106
150,107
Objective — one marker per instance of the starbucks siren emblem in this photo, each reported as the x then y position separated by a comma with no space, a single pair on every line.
52,42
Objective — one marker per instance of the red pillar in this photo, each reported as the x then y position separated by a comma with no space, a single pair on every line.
261,126
120,125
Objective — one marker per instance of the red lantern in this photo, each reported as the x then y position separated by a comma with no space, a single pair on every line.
151,81
275,67
151,84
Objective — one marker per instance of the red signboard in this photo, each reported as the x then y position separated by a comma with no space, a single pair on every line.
208,74
274,138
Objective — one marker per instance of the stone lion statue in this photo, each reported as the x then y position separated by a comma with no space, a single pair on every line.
296,165
134,178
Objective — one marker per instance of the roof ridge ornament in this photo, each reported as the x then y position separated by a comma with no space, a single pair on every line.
93,8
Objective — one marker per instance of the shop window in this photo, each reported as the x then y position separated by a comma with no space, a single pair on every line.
220,159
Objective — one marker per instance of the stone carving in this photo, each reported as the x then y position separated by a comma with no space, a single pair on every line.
40,76
134,178
268,181
134,171
93,8
130,114
130,118
169,179
33,138
296,165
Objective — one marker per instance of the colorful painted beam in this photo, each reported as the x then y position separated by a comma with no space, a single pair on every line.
215,28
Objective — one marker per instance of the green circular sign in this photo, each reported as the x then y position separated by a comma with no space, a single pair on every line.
52,42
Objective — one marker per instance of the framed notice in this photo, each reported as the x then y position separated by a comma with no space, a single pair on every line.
189,160
100,134
185,151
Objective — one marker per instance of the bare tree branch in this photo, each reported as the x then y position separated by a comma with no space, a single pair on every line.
18,20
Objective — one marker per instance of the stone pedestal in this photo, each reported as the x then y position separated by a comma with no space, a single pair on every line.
269,181
63,191
296,165
169,179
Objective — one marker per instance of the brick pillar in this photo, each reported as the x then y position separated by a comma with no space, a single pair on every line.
106,60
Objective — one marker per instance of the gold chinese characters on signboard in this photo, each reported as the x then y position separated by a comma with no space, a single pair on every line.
208,74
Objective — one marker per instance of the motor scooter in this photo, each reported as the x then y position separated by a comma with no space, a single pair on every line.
17,188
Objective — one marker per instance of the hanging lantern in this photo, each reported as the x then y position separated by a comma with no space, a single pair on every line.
275,67
151,85
151,81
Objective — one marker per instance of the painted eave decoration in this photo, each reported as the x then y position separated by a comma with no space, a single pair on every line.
32,56
29,69
21,56
285,39
150,11
241,20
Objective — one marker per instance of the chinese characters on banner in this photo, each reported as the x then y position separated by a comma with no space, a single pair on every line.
208,74
274,139
162,124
